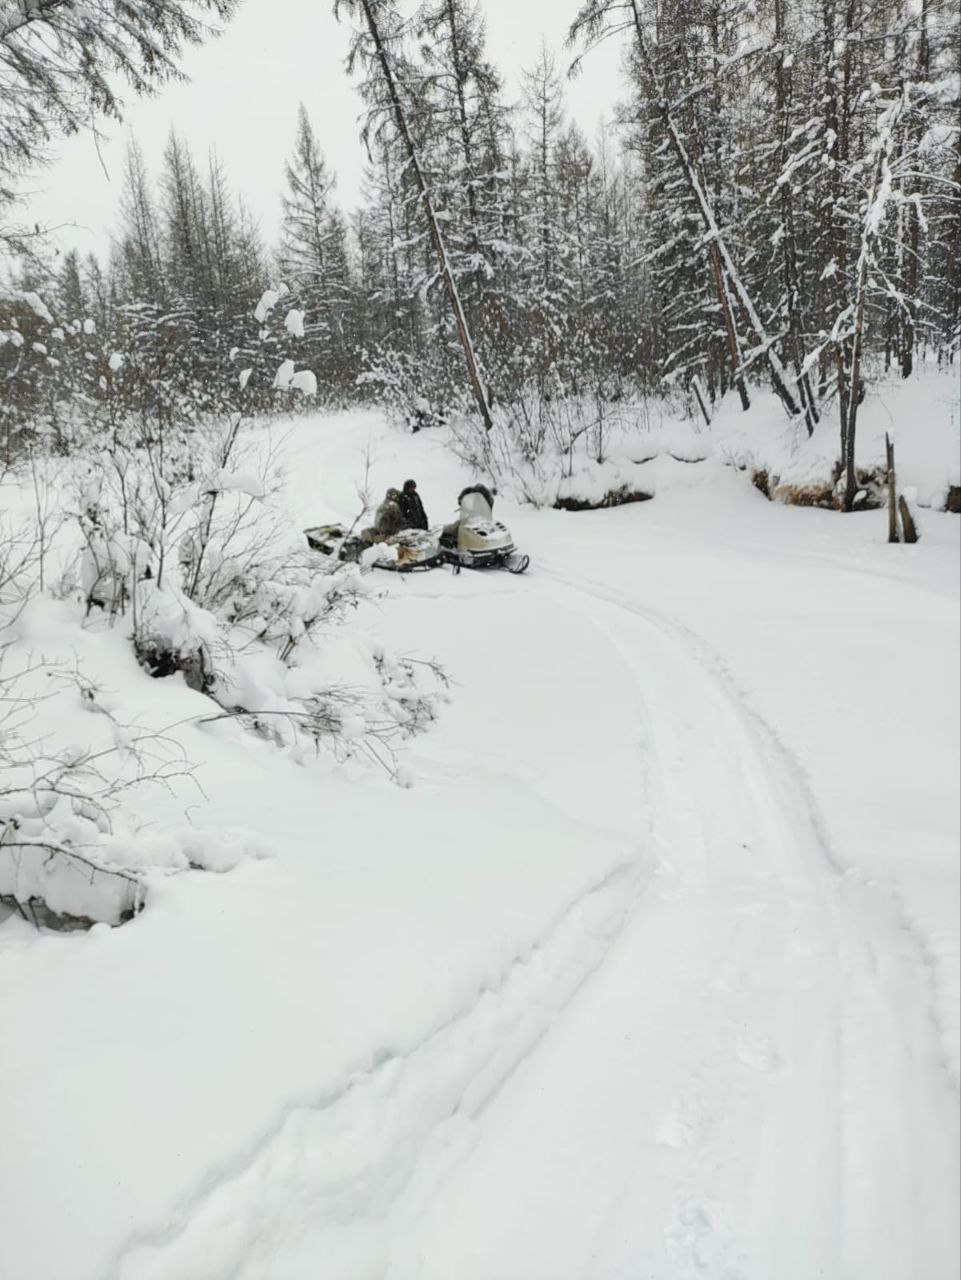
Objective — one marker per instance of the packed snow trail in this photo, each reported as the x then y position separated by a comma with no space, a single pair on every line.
743,1080
751,1086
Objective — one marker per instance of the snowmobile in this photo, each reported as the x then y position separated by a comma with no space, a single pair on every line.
402,552
476,540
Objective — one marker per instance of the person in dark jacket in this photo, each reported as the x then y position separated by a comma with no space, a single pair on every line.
415,517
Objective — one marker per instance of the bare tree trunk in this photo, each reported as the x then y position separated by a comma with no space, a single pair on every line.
792,283
854,393
437,239
892,490
914,224
733,346
833,228
856,342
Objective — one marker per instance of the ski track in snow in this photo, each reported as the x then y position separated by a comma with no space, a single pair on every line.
711,661
857,966
751,909
317,1160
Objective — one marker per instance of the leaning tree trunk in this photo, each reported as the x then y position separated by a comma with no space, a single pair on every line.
733,346
713,236
437,239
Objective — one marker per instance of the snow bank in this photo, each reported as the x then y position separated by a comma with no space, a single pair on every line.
387,927
923,415
587,461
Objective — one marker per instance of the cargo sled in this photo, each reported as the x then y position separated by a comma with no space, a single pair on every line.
403,552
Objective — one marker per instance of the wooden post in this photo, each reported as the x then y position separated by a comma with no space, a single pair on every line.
907,520
892,492
699,396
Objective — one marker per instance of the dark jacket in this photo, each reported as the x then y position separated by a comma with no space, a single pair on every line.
415,517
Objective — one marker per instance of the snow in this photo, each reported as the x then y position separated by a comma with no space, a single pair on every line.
28,298
651,970
294,323
284,375
226,481
268,300
305,381
115,362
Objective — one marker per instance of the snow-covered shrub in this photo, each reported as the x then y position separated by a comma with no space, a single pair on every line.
171,633
73,779
186,540
176,542
546,448
415,392
403,678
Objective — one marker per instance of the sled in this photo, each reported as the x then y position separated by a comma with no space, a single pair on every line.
404,552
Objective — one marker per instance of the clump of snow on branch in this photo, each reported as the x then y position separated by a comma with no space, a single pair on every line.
294,323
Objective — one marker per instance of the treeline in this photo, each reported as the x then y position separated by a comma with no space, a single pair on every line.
780,202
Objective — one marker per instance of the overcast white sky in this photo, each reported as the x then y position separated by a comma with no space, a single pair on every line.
243,95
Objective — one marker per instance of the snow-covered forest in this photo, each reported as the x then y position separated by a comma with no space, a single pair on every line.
595,919
777,207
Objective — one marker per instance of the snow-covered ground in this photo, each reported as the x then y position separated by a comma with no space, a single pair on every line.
653,971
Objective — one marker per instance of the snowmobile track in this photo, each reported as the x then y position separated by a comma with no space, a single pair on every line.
815,1045
713,664
407,1096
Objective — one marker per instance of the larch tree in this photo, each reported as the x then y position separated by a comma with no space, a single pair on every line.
61,63
378,34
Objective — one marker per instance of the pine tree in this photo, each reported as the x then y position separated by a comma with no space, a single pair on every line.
313,256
